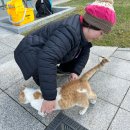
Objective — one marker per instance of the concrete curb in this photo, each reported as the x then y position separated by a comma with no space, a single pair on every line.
59,12
59,2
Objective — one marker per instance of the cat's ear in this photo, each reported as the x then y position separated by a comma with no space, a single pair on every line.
21,97
37,95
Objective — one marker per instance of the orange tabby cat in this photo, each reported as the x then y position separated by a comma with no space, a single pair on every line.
77,92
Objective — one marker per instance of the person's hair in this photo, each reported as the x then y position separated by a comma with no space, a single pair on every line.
85,24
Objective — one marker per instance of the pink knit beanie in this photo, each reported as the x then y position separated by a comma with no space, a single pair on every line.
101,14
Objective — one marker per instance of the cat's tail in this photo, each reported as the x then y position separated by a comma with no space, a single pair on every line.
92,71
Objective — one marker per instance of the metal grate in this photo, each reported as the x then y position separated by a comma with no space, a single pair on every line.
63,122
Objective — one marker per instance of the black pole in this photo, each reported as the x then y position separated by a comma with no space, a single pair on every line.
3,4
25,3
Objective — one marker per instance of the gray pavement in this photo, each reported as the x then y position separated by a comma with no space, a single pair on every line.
111,83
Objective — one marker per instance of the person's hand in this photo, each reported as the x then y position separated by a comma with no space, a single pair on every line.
48,106
73,76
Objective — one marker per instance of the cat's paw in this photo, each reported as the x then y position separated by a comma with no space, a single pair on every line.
42,114
93,101
82,112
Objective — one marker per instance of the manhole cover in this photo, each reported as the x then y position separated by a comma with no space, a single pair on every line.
63,122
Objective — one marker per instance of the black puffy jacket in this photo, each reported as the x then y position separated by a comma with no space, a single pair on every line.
57,42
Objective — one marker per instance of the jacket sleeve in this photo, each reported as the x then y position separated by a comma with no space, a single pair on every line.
81,60
58,45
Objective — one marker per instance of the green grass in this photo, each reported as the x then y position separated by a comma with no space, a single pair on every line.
120,35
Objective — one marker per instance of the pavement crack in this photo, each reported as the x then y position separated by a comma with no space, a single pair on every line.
114,75
119,107
113,118
120,58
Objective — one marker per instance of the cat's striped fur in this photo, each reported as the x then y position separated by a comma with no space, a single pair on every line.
77,92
